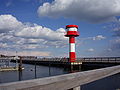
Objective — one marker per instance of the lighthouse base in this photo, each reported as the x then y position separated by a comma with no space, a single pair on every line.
75,66
76,63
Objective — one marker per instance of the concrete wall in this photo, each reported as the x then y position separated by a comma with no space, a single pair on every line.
62,82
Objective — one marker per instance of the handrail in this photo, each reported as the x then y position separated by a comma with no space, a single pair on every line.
62,82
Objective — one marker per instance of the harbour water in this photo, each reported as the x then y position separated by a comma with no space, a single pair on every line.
109,83
29,73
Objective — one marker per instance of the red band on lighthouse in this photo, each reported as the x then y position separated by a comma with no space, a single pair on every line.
72,40
69,26
72,56
71,33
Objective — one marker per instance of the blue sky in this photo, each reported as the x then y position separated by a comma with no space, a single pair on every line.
37,27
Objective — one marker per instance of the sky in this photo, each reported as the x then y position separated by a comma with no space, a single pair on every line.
37,27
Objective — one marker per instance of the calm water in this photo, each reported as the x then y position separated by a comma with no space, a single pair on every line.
109,83
29,73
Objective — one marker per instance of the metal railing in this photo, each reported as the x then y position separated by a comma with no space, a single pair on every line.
91,59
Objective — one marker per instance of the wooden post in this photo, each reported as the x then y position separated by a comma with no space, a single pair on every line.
80,67
49,68
35,70
20,69
20,75
71,67
20,64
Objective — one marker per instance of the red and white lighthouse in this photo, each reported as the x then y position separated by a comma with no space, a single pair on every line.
72,33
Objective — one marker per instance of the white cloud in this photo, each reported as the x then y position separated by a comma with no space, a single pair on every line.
27,36
57,44
90,50
85,10
26,53
3,45
41,32
117,40
6,38
109,50
99,37
34,41
9,23
34,53
31,46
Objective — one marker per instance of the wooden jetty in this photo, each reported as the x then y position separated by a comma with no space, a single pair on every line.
8,68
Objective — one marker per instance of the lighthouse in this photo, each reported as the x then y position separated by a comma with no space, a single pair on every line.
72,33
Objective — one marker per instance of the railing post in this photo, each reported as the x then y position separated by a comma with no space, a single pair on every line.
35,70
77,88
115,60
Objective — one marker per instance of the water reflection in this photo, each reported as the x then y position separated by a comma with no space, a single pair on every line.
20,75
